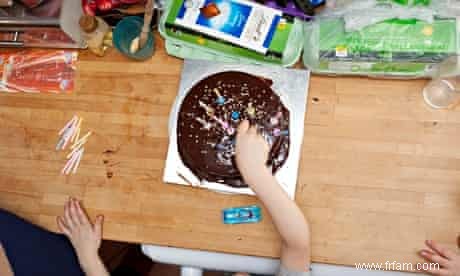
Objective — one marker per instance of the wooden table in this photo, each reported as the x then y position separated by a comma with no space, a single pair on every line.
379,174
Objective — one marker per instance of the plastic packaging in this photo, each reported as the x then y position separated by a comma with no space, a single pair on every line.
237,215
36,71
185,45
443,8
442,92
392,42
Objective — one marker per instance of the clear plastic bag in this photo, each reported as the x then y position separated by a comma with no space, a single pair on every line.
380,40
36,71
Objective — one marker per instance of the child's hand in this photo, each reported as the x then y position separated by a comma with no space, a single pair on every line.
251,149
448,260
84,236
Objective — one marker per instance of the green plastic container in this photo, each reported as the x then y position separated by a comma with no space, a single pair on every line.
194,47
393,48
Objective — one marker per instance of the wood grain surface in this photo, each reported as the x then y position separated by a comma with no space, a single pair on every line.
379,173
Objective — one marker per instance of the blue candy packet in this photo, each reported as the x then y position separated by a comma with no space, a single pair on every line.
245,214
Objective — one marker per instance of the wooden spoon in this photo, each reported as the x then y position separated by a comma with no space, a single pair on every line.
147,21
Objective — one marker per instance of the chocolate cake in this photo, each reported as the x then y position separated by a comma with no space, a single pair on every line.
209,117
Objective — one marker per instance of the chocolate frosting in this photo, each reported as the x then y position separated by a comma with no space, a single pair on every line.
209,117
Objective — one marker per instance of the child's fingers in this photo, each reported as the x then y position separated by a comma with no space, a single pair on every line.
242,130
243,127
82,217
440,249
98,226
434,258
252,130
67,216
73,213
62,226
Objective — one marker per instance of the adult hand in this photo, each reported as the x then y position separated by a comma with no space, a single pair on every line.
448,260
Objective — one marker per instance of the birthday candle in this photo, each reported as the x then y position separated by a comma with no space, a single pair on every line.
208,109
59,144
68,135
82,140
230,130
220,99
220,121
76,149
77,129
77,163
217,92
205,124
71,165
68,125
69,162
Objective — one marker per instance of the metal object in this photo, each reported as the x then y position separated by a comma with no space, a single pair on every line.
12,43
53,23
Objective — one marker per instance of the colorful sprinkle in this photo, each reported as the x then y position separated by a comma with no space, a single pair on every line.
284,132
220,100
235,115
251,110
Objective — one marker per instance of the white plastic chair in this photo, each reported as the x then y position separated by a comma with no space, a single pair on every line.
193,262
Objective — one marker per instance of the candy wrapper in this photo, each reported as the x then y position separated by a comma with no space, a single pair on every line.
38,71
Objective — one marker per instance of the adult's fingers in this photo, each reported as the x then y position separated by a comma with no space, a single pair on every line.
82,217
434,258
62,226
440,249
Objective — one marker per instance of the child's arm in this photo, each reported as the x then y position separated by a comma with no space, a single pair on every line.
251,156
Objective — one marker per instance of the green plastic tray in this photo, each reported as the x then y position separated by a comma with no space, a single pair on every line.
183,49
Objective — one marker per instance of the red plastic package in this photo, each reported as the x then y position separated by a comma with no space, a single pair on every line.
32,3
37,71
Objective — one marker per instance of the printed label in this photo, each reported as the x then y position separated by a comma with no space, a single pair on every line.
341,51
240,22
